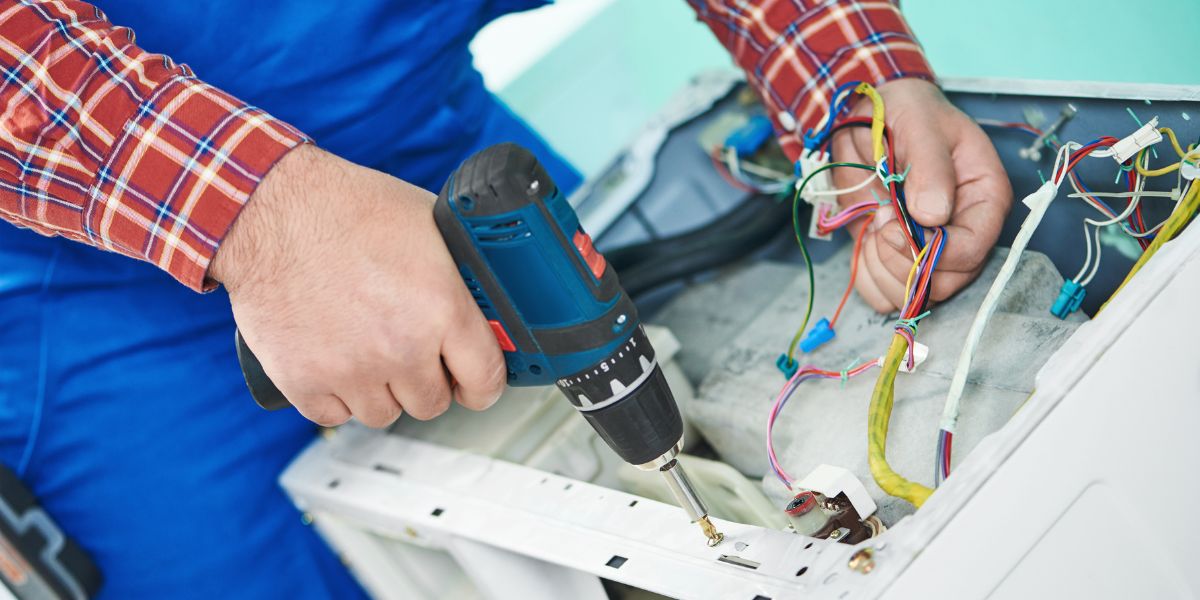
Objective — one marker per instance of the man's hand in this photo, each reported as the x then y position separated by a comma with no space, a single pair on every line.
344,289
956,180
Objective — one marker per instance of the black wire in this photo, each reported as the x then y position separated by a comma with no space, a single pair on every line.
909,222
748,227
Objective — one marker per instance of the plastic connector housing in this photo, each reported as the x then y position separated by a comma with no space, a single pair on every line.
819,334
810,161
1139,140
1068,300
789,370
920,353
748,138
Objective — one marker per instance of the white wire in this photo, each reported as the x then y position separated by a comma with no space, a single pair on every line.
1040,201
1095,267
1087,242
851,190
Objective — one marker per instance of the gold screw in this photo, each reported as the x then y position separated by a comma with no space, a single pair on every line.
410,531
863,561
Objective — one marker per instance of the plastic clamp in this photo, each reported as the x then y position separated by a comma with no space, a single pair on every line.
1069,299
819,334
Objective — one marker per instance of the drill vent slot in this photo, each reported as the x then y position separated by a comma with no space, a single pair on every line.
502,232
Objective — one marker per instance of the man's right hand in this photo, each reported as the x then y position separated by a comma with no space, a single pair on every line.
341,284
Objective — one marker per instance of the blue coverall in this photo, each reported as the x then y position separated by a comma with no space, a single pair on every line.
121,401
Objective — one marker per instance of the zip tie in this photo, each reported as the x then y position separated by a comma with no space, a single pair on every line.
1042,177
897,178
881,202
1052,138
1124,169
846,372
911,324
1139,122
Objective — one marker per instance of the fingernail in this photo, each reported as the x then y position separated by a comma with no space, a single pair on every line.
938,205
894,238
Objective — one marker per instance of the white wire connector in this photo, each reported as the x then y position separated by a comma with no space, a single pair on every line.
1139,140
810,161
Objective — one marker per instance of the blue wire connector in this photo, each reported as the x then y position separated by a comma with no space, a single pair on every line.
789,369
819,334
1068,299
751,136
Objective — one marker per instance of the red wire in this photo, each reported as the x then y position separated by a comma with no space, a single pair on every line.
853,273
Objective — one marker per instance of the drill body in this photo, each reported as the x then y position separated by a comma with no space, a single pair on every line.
555,305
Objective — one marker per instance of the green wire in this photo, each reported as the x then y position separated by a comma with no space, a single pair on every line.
804,249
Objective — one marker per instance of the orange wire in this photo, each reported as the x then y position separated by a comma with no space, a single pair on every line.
853,274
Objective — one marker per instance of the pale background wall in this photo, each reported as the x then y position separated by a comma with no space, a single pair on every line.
586,73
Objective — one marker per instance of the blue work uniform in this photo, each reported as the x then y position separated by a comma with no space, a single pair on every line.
121,401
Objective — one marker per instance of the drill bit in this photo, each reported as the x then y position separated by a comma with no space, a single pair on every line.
691,502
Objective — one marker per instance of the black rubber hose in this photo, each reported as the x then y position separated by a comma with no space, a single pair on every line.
747,228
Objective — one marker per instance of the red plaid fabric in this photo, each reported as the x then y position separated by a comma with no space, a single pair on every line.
104,143
797,52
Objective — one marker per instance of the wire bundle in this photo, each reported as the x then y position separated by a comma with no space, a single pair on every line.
805,373
901,349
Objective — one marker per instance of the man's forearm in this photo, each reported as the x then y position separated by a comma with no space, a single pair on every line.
114,146
797,52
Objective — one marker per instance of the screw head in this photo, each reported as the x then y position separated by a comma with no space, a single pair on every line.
533,187
862,561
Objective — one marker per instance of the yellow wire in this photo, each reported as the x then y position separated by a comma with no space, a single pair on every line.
1174,141
1174,223
913,271
877,429
876,118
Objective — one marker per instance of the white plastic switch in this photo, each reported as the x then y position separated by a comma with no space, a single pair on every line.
831,481
1139,140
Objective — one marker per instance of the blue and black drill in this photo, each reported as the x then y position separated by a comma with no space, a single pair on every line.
556,308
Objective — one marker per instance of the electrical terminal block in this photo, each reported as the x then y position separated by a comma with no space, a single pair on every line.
819,334
1068,300
920,353
789,369
831,503
1139,140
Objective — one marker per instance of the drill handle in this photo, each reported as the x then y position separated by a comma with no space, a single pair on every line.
261,387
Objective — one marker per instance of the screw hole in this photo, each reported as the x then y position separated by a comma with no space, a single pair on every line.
386,469
466,203
334,483
633,504
616,561
568,486
437,512
536,370
808,546
802,571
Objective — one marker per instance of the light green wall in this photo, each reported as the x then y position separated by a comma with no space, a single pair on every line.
1140,41
590,94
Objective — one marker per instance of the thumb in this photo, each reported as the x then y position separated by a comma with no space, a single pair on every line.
931,182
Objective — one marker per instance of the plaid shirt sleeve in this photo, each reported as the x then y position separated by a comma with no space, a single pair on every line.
107,144
797,52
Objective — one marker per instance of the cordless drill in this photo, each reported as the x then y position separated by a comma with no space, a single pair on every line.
557,309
